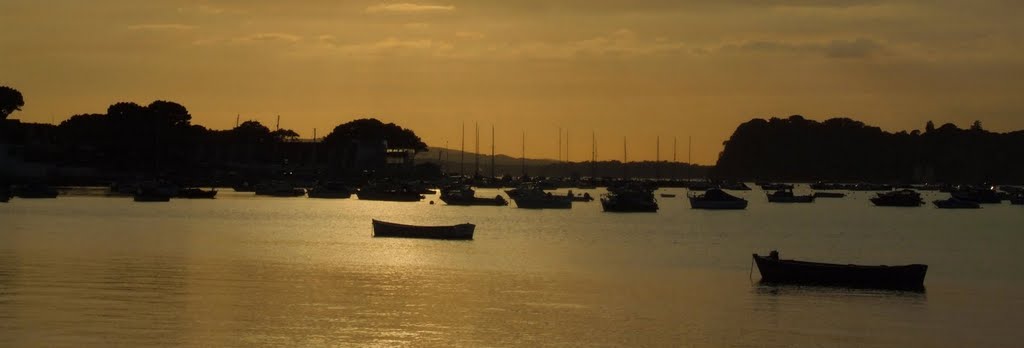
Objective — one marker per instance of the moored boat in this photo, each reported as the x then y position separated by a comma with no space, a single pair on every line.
278,189
151,194
585,197
5,193
775,270
829,195
390,229
529,196
976,194
465,195
771,186
716,199
1017,199
668,195
901,198
629,199
956,203
330,189
390,193
196,193
787,196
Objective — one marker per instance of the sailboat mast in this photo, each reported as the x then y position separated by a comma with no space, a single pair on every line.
559,144
567,146
625,159
476,153
522,159
657,157
674,170
462,152
689,160
593,155
492,151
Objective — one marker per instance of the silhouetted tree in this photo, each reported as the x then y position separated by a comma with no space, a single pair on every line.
10,101
976,126
929,127
373,130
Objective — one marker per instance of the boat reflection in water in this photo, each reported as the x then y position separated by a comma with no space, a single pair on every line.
390,229
775,270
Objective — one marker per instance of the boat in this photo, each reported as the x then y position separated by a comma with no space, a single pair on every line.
390,229
34,191
244,186
278,189
871,187
700,186
735,186
330,190
533,197
5,193
668,195
151,194
956,203
629,199
787,196
389,192
585,197
716,199
1017,199
196,193
980,195
771,186
775,270
829,195
901,198
465,195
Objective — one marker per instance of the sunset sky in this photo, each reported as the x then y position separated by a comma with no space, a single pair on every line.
618,68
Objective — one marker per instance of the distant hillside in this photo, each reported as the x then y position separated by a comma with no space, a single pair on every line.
842,149
503,165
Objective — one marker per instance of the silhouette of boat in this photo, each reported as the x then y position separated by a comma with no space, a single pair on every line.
956,203
829,195
465,195
278,189
629,199
787,196
530,196
244,186
5,193
716,199
585,197
390,193
901,198
33,191
196,193
735,186
975,194
771,186
390,229
151,194
330,189
700,186
774,270
1017,199
668,195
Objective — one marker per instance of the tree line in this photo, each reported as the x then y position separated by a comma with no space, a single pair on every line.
842,149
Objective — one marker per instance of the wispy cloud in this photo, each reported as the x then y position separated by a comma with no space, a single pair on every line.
408,8
269,37
161,27
838,48
471,35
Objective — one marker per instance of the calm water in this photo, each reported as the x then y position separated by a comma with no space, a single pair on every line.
251,271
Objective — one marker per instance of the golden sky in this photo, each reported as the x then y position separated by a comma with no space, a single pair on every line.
634,69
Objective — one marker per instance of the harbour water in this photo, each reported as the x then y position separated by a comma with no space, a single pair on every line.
242,270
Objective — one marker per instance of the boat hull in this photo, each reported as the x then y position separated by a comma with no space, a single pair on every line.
793,199
196,194
329,194
454,232
389,197
956,204
908,277
829,195
475,201
717,205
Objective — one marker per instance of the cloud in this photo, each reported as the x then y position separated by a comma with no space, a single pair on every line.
471,35
269,37
858,48
408,8
387,46
161,27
